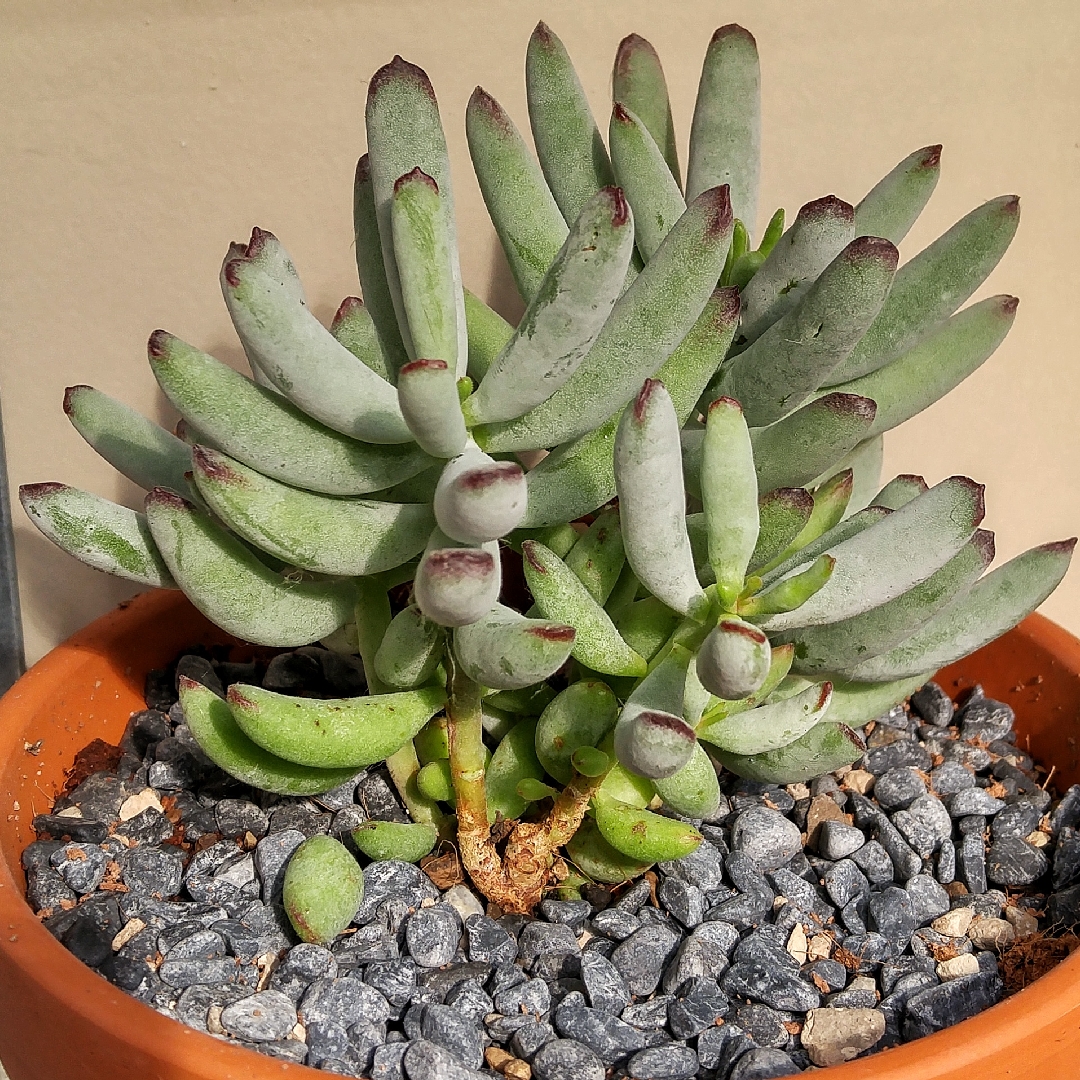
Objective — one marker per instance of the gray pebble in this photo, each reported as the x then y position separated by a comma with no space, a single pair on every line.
844,881
432,935
567,1059
610,1038
763,1063
700,1004
184,973
1017,819
641,958
547,939
837,840
262,1017
922,839
1012,862
942,1006
424,1060
445,1026
82,866
530,996
616,923
933,705
605,987
974,800
777,989
571,912
899,788
271,855
895,755
470,999
153,871
766,836
950,777
387,1061
528,1039
873,860
685,902
663,1063
927,896
487,941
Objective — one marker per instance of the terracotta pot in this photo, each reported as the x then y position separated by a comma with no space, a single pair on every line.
59,1019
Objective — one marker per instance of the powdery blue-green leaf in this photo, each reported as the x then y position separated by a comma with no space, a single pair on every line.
855,704
865,463
823,749
521,207
350,537
97,532
900,491
648,478
488,332
725,137
694,791
637,80
259,428
599,556
479,499
428,395
145,453
455,586
647,624
229,585
734,659
564,317
353,327
891,206
768,727
580,716
934,284
507,651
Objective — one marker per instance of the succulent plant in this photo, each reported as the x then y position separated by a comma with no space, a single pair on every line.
680,442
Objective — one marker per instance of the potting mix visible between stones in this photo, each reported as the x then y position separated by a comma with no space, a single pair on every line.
814,924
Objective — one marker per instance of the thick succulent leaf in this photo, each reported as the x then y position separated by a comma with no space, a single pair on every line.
900,491
839,646
646,325
560,538
643,835
729,493
829,503
768,727
564,317
718,709
97,532
267,433
579,477
300,356
404,132
734,660
229,585
579,716
455,586
514,760
372,271
506,651
145,453
939,362
589,761
892,205
652,502
350,537
933,285
810,440
994,605
820,231
824,748
521,207
651,738
407,841
561,596
428,394
725,137
790,360
598,556
531,701
647,624
880,563
211,722
432,741
855,704
568,142
694,791
644,176
637,80
410,651
826,540
784,514
622,784
865,463
346,732
488,332
354,328
791,592
436,782
423,237
479,499
598,860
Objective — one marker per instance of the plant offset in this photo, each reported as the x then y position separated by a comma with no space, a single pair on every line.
716,578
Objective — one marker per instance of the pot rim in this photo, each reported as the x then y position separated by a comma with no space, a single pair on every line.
25,944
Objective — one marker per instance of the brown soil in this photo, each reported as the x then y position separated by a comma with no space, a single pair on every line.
1032,957
95,757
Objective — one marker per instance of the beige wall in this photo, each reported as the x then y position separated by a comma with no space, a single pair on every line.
138,138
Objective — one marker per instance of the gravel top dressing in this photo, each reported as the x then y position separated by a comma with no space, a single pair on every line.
814,924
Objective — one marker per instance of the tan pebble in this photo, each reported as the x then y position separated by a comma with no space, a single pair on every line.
134,805
797,943
833,1036
517,1070
957,967
954,923
1023,922
859,780
496,1057
991,933
798,791
131,928
213,1020
1037,838
819,948
822,808
299,1033
71,812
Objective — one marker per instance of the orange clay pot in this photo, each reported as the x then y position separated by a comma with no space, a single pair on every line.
61,1021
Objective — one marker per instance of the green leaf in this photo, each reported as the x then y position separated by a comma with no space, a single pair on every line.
784,514
513,763
565,315
519,202
644,176
773,231
488,334
97,532
694,790
354,328
892,205
211,722
434,781
994,605
930,287
769,727
530,790
411,650
350,537
855,704
259,428
784,366
598,556
729,493
529,701
900,491
647,624
561,596
591,762
646,325
427,393
145,453
790,593
829,503
595,857
322,889
652,502
507,651
332,732
643,835
823,749
725,137
820,231
568,142
580,716
637,80
718,709
801,446
382,840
